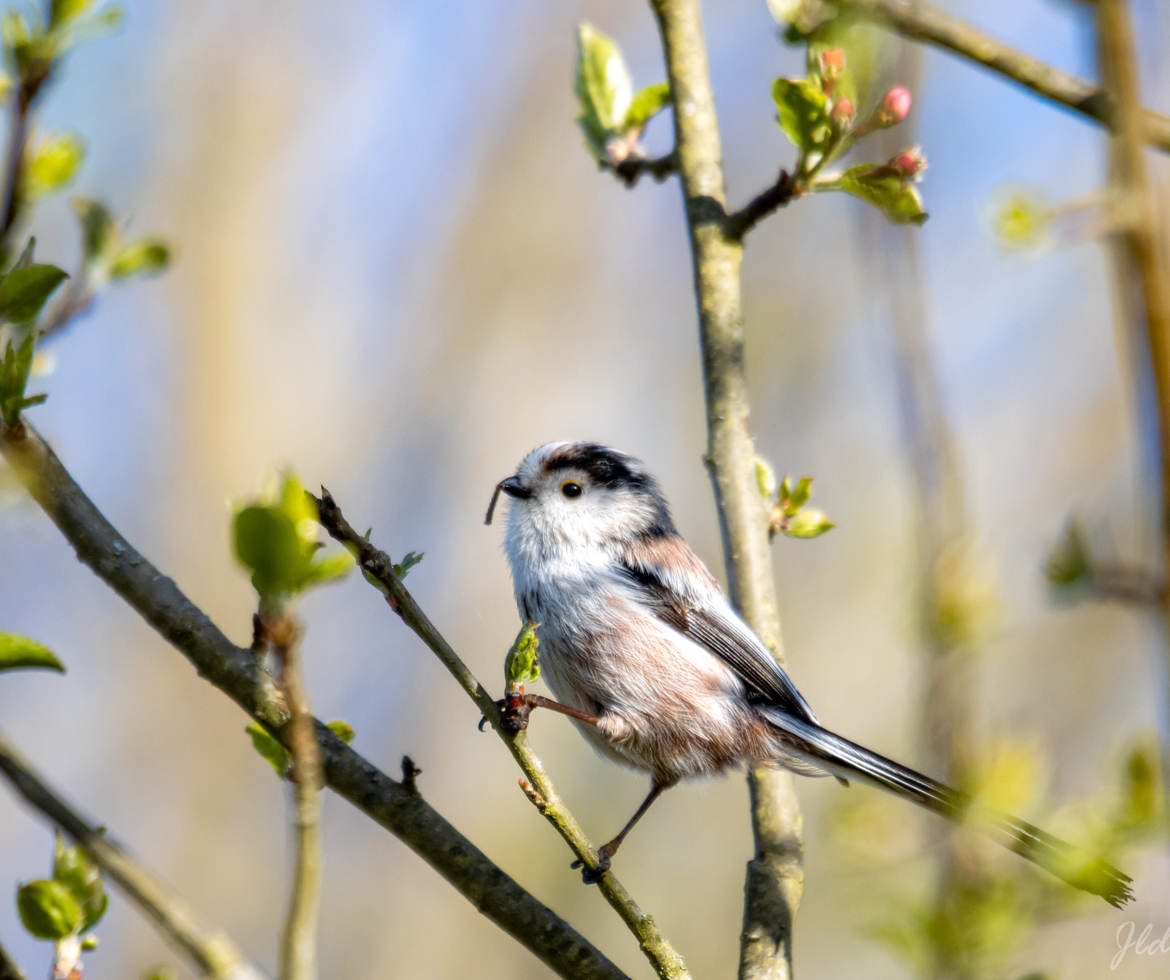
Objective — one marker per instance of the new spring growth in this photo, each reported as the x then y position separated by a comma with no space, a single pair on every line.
909,164
895,107
832,64
522,666
842,114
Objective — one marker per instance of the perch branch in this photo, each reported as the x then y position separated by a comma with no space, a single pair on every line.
537,786
775,876
236,671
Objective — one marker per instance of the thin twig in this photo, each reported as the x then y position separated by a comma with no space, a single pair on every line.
775,875
237,672
211,951
538,787
633,167
740,222
1141,271
922,22
298,950
9,969
1127,584
23,96
76,300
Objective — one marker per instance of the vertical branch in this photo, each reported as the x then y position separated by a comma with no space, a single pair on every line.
1140,272
298,951
775,876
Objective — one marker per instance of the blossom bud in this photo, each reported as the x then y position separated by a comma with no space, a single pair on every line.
895,106
909,164
832,62
842,114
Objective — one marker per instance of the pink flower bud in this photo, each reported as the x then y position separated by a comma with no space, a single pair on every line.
842,114
833,60
909,164
895,106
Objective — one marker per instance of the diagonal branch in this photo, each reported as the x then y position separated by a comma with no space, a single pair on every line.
538,787
9,968
775,876
237,672
212,952
922,22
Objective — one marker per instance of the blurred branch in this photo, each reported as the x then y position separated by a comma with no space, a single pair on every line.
238,673
213,953
24,94
1141,274
298,950
633,167
775,876
922,22
77,298
1121,583
9,970
740,222
538,787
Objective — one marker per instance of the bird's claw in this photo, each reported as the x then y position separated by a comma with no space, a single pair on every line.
591,876
514,712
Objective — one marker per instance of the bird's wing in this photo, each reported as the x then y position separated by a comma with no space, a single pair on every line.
670,580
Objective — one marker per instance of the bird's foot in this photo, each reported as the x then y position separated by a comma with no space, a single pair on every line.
591,876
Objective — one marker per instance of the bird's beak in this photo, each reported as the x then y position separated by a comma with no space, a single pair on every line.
513,488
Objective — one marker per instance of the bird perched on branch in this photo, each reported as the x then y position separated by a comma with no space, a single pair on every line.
646,654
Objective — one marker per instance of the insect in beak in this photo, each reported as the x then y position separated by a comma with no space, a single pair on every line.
513,488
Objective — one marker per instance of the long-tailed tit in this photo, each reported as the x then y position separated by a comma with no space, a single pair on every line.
646,654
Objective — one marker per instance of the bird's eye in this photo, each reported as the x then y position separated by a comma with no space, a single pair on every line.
571,488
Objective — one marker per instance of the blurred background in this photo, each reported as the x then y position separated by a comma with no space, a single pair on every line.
397,270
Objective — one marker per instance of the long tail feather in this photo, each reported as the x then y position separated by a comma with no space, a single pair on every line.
850,760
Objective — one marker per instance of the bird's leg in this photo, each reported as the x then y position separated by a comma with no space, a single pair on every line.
516,707
606,852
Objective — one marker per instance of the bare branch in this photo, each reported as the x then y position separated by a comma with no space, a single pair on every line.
237,672
740,222
1143,291
298,951
922,22
9,969
211,951
23,96
537,787
775,877
629,170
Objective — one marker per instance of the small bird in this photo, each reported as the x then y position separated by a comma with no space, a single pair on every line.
646,654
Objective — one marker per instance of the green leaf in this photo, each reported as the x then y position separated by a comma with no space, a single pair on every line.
18,651
275,754
331,568
798,496
784,494
99,233
89,943
143,257
412,558
808,523
765,478
62,11
14,372
73,868
52,165
802,110
521,665
883,187
646,105
1068,562
24,291
48,909
343,730
266,542
603,86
